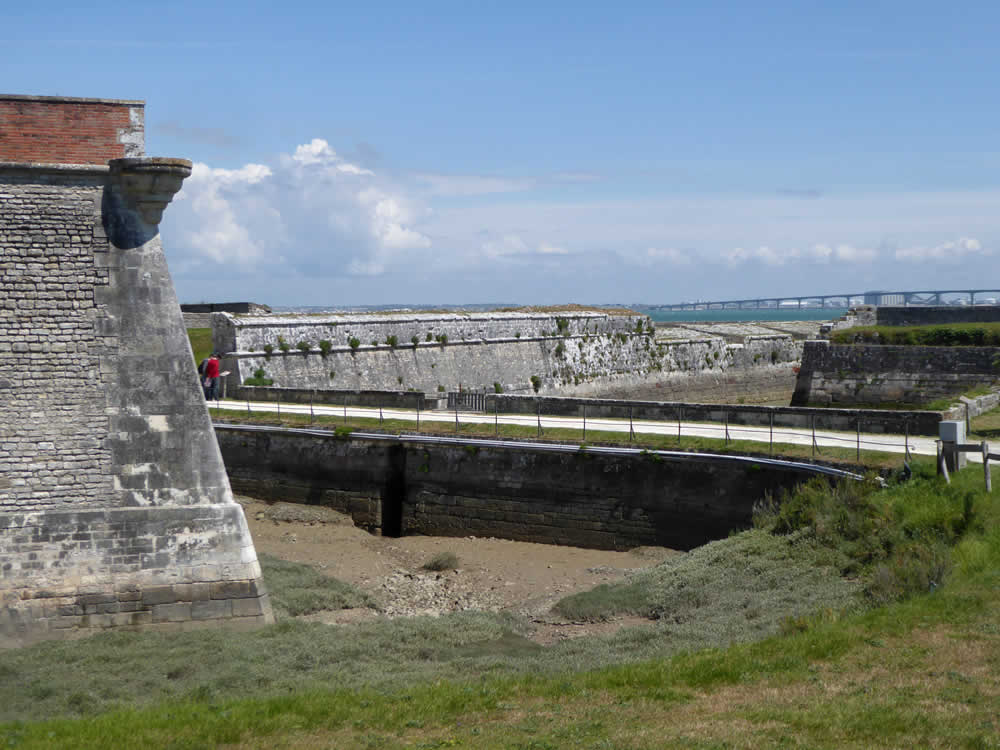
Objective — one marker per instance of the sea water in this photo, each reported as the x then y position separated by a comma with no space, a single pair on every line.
746,315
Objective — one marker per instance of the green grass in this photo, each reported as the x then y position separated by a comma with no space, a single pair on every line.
830,669
952,334
846,456
297,589
201,342
735,589
986,426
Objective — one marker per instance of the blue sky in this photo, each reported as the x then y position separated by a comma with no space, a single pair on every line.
550,152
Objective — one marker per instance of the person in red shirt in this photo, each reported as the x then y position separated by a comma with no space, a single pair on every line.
211,381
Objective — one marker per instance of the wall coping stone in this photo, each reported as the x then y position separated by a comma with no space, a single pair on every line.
71,99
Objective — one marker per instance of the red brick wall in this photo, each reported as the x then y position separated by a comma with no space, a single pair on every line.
58,130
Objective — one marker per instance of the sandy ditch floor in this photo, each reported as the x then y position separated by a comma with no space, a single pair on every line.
492,574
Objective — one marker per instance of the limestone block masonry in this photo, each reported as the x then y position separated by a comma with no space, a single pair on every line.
848,375
572,351
115,509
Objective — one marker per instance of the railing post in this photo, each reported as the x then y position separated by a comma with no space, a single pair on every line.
538,416
418,416
727,426
456,416
986,466
631,429
584,423
380,414
312,395
859,439
770,440
813,421
496,418
277,395
680,416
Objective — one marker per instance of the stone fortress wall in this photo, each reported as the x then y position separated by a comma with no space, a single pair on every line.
115,508
866,374
568,352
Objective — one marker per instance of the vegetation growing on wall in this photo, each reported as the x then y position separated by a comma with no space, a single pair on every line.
325,346
954,334
283,345
259,378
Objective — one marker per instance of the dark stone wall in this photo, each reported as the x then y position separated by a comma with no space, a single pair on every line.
939,315
580,498
873,420
844,375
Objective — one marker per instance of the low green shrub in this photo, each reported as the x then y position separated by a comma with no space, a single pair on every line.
304,346
353,342
283,345
953,334
441,561
325,347
259,378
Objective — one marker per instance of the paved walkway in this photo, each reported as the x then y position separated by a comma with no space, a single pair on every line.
874,442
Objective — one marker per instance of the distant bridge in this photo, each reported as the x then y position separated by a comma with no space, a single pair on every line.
923,297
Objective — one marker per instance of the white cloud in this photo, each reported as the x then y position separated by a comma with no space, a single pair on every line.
546,248
505,247
668,255
318,152
952,250
311,212
765,254
851,254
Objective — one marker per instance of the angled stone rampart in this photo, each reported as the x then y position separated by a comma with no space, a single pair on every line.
115,508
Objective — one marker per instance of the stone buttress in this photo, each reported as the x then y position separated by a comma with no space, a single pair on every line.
115,508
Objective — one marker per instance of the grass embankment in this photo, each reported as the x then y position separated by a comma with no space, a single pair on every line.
201,342
952,334
920,669
827,454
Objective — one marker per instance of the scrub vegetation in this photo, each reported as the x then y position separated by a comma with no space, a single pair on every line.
953,334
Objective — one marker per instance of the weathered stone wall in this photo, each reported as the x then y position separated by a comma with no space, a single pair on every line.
197,320
578,498
845,375
919,315
54,446
111,480
579,353
763,384
872,420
